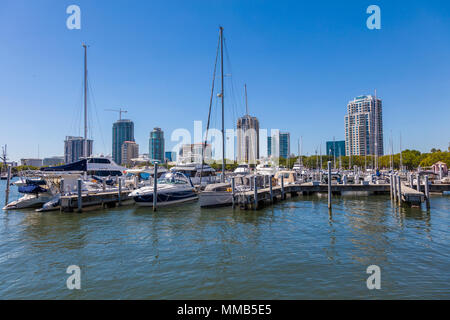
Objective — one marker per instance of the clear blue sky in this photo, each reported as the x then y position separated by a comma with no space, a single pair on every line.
302,62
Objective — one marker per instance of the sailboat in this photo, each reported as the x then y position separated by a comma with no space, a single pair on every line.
217,194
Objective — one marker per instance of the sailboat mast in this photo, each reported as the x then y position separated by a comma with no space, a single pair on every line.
223,108
85,153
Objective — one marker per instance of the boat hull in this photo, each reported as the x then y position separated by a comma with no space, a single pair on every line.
215,199
165,199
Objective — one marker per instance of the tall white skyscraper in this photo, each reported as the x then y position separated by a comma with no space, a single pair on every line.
247,139
364,126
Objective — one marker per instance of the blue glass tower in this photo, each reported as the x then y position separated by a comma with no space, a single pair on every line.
156,145
123,130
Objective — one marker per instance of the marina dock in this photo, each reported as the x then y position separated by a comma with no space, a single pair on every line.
260,197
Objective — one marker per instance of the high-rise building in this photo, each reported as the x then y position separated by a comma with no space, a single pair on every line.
247,139
364,126
74,148
130,150
123,130
170,156
336,148
32,162
156,145
192,153
53,161
284,145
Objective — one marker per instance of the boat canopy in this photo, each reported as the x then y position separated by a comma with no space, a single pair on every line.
80,165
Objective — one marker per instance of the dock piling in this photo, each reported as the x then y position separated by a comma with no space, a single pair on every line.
80,196
399,180
8,181
329,184
282,187
418,181
394,184
61,186
391,185
255,192
119,181
155,186
427,192
233,191
270,189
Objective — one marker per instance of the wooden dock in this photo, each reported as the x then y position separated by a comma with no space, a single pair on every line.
107,199
255,199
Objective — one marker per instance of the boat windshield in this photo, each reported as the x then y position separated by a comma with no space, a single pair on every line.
171,178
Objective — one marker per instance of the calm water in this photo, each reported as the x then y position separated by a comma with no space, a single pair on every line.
292,250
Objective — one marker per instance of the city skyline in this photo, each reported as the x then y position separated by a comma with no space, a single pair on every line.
319,77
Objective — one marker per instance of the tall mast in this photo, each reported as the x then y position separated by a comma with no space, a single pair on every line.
85,153
223,113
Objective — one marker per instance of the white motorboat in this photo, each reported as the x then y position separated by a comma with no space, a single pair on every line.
242,169
216,195
172,188
198,174
29,201
265,169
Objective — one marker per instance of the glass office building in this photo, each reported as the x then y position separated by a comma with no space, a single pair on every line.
123,130
156,145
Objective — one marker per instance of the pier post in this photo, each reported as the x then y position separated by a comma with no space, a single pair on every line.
119,196
61,186
411,180
329,184
8,181
233,190
270,189
282,187
255,192
394,182
399,190
345,179
441,173
391,185
427,192
80,196
418,181
155,186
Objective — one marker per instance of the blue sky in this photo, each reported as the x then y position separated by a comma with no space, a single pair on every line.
302,62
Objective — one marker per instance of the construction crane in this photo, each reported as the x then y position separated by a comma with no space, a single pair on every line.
120,111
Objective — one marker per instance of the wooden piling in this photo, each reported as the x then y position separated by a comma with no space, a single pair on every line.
391,185
155,186
8,182
394,182
80,196
399,181
329,184
233,190
282,187
427,192
255,193
119,181
270,189
418,182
